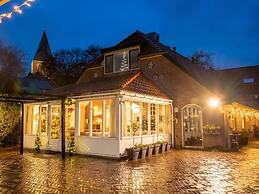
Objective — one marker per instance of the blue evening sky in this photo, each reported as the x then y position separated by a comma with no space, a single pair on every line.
227,28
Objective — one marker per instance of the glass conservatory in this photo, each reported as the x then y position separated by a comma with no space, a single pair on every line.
100,125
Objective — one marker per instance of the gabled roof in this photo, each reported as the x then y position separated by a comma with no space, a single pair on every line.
133,82
43,52
150,46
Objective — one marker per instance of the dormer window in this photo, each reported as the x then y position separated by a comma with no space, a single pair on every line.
122,60
248,80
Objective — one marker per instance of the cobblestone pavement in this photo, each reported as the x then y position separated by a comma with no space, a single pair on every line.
177,171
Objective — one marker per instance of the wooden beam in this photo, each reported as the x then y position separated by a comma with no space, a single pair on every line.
22,129
63,131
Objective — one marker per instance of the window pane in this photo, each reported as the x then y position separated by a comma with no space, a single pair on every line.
161,126
126,118
135,107
84,118
55,122
29,120
109,64
109,118
36,119
168,118
121,61
97,117
44,119
70,121
144,119
153,118
134,63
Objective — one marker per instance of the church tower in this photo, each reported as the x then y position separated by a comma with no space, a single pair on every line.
42,55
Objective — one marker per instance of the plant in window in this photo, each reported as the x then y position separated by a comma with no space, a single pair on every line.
37,144
211,128
71,148
69,101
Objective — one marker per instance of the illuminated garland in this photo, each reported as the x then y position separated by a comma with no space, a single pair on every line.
16,9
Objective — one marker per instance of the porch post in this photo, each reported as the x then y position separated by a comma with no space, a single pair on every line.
172,126
22,129
63,128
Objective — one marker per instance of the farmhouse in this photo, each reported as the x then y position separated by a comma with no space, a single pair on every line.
138,91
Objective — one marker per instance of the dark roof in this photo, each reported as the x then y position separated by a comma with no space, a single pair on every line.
33,84
43,52
151,46
95,63
133,82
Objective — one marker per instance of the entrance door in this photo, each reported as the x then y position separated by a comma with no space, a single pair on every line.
192,126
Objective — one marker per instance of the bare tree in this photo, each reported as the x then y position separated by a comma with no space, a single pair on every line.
203,59
12,63
67,65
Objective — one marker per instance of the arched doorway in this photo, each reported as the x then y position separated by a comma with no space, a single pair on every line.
192,126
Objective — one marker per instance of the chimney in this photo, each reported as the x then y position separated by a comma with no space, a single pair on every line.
174,48
153,36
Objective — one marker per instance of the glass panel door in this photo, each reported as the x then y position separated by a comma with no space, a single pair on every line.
192,126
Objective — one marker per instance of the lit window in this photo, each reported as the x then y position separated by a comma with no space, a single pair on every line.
162,119
84,118
248,80
36,119
126,116
121,61
109,118
55,121
145,119
168,118
97,117
135,107
153,118
44,118
70,121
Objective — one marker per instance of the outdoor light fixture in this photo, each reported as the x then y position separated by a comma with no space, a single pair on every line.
214,102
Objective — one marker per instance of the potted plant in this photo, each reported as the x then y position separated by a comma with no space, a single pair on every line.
37,143
163,146
244,137
168,146
143,151
150,149
157,147
133,153
71,146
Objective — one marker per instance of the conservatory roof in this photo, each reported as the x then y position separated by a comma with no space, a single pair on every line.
129,81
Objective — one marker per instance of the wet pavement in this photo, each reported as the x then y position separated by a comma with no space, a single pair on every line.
177,171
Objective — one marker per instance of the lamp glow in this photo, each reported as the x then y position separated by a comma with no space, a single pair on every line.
213,102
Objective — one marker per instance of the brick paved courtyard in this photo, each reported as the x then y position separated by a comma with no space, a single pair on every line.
178,171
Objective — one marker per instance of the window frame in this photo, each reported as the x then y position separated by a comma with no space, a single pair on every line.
113,66
127,50
131,50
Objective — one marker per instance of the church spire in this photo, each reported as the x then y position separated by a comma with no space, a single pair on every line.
42,55
43,52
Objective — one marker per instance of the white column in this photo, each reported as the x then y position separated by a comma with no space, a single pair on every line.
140,120
172,124
118,117
157,121
148,119
77,119
49,123
90,119
103,118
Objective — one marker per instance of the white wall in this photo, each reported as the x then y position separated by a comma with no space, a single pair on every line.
99,146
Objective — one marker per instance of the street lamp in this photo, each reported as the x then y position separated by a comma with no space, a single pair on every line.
213,102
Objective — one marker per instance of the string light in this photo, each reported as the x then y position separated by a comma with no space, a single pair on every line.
16,9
